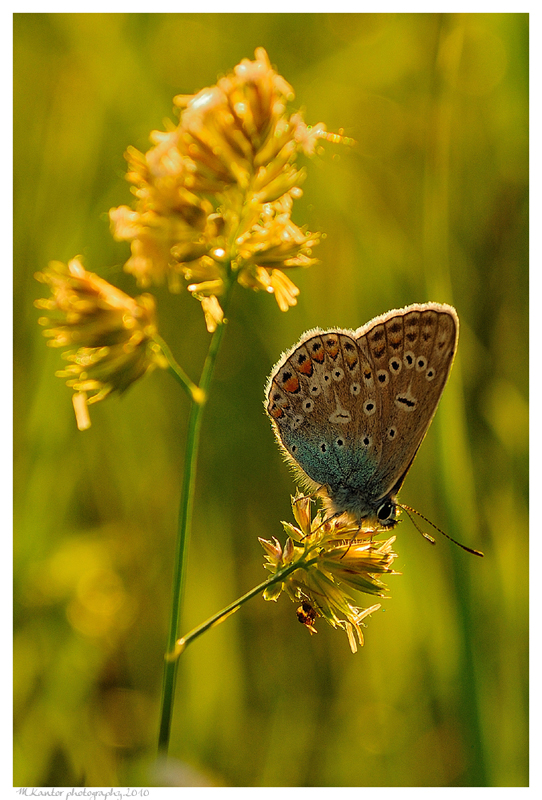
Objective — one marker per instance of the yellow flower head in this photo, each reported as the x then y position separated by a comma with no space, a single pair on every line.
214,193
110,331
334,558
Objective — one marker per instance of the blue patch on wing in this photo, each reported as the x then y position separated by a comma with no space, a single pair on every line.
335,462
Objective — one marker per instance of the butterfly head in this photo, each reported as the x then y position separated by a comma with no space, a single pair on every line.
369,513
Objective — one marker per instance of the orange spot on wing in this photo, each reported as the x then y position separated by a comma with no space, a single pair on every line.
332,347
317,354
291,385
350,358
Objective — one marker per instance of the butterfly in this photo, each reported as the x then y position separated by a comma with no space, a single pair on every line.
351,408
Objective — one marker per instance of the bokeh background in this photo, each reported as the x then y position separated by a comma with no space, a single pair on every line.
431,204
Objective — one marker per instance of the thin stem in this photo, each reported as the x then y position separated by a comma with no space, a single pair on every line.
221,616
184,525
175,369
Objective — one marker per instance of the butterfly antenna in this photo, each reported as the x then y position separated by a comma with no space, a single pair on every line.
425,535
430,538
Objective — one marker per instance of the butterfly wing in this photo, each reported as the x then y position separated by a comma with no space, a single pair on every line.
411,352
325,414
350,409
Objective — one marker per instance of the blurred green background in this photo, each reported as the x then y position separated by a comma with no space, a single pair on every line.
431,204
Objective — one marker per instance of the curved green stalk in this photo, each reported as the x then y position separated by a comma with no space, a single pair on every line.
185,520
221,616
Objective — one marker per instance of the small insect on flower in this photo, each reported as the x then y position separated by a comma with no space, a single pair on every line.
307,616
110,331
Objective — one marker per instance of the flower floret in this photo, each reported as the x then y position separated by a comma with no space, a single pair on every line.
333,559
111,331
222,181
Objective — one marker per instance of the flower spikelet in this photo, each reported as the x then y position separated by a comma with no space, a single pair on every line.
214,194
333,560
110,331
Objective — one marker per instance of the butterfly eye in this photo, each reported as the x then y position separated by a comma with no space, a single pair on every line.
386,511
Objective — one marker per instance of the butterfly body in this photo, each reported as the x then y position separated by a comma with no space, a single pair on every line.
351,408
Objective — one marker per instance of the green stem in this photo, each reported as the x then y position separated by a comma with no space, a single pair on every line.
185,522
220,616
175,369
